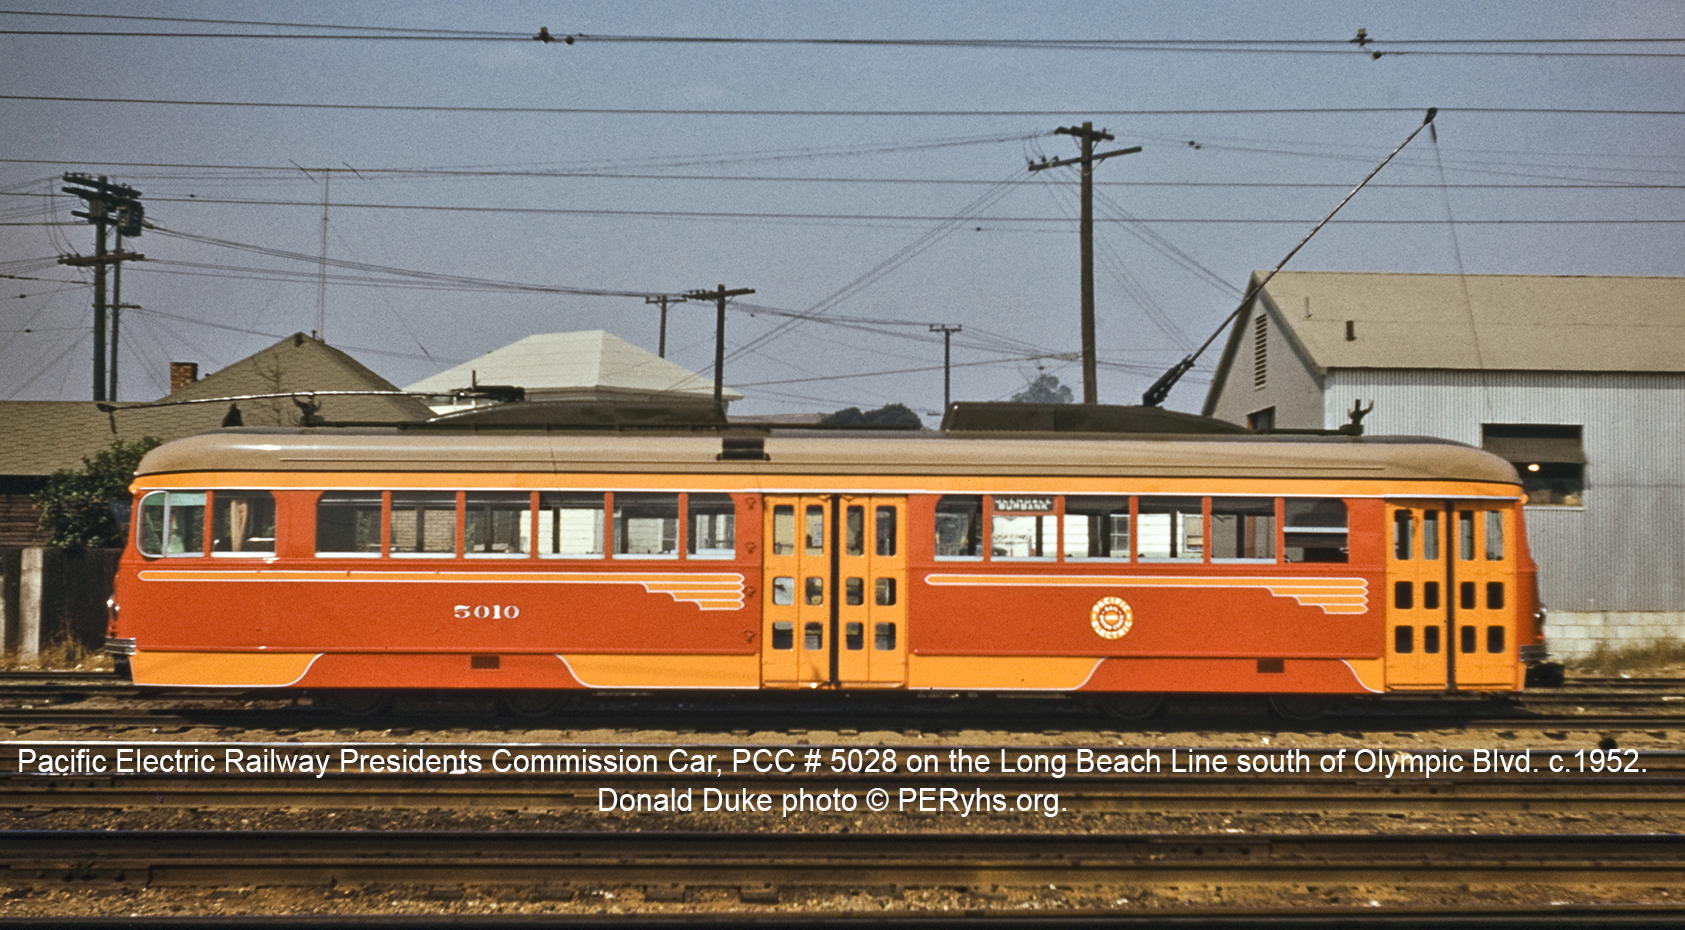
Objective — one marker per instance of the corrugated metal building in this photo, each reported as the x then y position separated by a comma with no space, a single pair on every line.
1580,381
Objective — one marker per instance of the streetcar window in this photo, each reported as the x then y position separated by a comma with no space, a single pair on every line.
813,636
1430,640
1494,595
348,523
1316,529
959,526
814,591
173,523
149,535
854,637
1243,529
1403,595
1494,535
884,637
423,523
885,592
887,531
243,523
1494,639
1430,595
646,525
1465,596
713,527
1465,535
783,635
1467,638
1403,535
1096,527
570,524
1430,535
1170,528
813,529
783,590
1017,534
854,531
1404,640
784,530
497,524
854,591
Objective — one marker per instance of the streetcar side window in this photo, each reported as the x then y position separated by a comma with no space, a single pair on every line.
1170,528
423,524
570,525
1243,529
1316,529
348,523
1023,528
959,526
713,527
497,524
1096,527
172,523
646,525
243,523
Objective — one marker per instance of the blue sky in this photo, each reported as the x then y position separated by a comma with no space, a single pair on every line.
882,187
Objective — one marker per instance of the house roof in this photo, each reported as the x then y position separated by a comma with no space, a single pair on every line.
1482,322
301,363
585,363
44,436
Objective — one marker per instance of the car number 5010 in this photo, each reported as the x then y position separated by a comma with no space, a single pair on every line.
487,611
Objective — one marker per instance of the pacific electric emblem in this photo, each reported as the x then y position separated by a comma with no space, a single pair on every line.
1111,617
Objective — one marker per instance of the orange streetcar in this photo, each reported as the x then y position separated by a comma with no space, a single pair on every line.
534,563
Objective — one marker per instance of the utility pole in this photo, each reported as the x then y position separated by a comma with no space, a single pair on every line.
664,300
108,205
1087,136
719,297
947,360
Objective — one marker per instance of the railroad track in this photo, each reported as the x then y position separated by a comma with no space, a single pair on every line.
766,866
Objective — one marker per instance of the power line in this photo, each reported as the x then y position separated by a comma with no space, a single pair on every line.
657,111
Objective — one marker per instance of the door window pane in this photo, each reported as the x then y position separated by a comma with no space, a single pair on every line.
887,531
1403,535
1243,528
423,523
959,526
1430,535
1096,527
570,524
1316,529
1494,535
713,526
243,523
813,530
348,522
497,523
885,592
1170,528
813,636
854,591
854,636
883,638
854,530
814,591
1430,640
646,524
784,530
783,635
1465,535
783,590
1404,640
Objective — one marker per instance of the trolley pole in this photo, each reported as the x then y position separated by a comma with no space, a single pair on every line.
947,360
664,300
1087,136
719,297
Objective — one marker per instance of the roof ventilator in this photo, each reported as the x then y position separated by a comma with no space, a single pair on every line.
743,449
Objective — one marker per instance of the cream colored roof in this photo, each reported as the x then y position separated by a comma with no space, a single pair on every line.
551,362
1493,322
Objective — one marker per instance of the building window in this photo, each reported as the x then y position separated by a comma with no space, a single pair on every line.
1550,458
1261,421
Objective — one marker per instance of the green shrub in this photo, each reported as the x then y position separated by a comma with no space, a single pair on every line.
77,506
